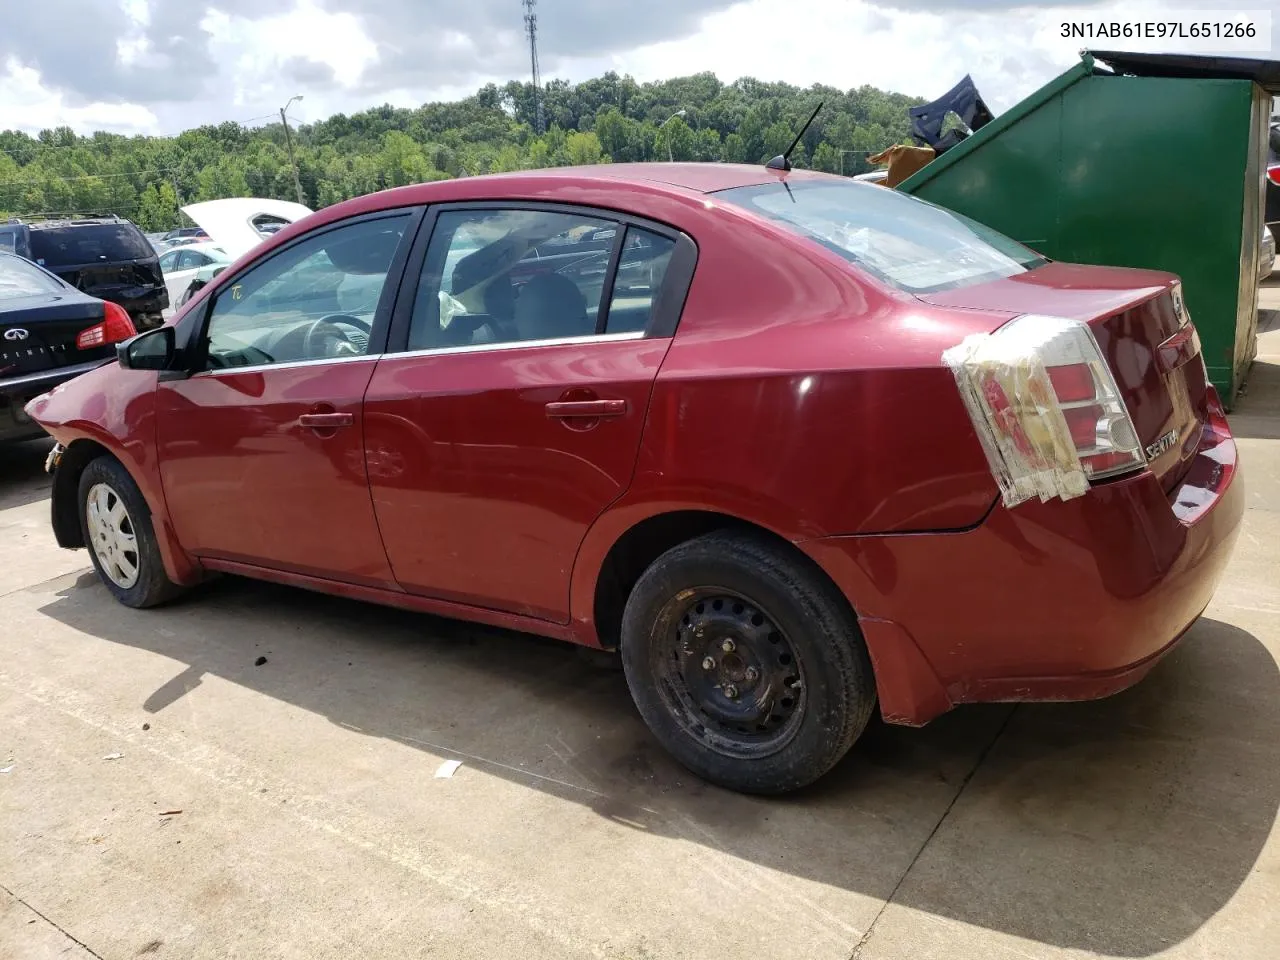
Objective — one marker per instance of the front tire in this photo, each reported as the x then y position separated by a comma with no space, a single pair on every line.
746,663
116,525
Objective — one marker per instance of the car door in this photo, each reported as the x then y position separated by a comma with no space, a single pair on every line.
513,417
175,277
261,449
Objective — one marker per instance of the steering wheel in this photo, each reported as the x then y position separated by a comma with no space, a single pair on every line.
325,338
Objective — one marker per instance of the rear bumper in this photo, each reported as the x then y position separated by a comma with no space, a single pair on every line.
145,305
1057,601
17,392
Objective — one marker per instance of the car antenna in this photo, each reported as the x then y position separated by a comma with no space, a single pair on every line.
783,160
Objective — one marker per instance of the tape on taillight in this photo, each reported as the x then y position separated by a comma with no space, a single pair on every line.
1045,407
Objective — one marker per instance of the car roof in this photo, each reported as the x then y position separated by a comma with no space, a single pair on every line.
698,177
73,222
593,185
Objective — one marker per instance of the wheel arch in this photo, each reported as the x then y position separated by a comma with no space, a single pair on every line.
64,503
601,586
65,507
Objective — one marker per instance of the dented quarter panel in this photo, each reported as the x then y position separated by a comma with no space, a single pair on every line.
115,408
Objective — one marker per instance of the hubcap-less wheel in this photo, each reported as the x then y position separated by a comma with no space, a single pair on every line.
115,541
730,676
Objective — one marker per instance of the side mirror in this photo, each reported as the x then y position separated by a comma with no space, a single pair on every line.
153,350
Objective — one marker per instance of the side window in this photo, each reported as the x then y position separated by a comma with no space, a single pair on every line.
641,270
501,276
315,300
169,261
185,260
197,259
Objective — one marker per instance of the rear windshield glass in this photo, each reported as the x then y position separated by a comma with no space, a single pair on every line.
88,243
20,279
902,241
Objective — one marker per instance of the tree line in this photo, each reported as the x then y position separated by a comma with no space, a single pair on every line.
610,118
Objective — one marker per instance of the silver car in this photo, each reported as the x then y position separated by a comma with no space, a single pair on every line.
1266,255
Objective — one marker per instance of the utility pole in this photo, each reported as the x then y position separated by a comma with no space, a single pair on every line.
177,196
531,29
288,139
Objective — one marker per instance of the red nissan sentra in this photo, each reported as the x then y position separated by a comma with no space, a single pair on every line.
791,444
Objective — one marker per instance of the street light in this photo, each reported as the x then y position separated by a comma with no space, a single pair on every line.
288,139
679,113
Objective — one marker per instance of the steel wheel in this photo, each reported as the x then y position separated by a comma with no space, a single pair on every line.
730,676
112,535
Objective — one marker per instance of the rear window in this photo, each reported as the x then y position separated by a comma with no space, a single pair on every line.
88,243
20,279
902,241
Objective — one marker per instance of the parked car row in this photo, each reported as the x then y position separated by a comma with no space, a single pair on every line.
50,332
102,255
795,446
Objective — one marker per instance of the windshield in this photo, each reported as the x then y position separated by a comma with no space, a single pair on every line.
88,243
20,279
898,239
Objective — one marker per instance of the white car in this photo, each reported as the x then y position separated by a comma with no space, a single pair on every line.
238,224
1267,254
235,225
183,264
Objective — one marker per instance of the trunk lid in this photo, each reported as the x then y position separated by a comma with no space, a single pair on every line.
39,334
1140,322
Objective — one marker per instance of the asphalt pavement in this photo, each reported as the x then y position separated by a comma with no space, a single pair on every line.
261,772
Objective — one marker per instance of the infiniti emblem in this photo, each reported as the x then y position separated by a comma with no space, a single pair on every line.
1177,304
15,333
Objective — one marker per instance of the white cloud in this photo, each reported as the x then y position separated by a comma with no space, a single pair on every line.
848,43
255,55
263,58
26,104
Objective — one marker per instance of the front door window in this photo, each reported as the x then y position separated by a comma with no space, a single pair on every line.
313,301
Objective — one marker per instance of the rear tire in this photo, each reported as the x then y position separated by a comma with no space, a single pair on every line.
746,663
116,525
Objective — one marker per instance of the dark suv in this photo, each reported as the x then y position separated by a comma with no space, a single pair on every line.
105,256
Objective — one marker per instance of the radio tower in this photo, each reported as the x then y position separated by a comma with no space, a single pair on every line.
531,28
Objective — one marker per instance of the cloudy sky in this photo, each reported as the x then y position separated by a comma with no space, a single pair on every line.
160,66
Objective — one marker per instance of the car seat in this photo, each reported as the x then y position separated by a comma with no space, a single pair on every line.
551,306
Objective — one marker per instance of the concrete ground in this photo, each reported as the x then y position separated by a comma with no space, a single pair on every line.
292,809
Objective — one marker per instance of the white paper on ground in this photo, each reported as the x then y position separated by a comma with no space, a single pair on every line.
447,768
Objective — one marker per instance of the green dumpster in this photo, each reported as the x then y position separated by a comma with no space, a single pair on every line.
1152,161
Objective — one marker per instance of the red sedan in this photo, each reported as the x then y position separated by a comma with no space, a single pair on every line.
793,445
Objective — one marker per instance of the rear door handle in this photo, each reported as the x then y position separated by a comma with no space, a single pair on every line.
587,408
326,421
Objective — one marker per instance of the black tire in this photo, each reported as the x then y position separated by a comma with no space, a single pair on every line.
813,689
151,585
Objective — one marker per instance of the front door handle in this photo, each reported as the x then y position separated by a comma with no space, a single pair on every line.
586,408
326,421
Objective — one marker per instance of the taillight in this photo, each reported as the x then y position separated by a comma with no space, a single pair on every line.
1273,173
116,326
1045,406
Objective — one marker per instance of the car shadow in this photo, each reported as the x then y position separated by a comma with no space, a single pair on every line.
1119,826
22,476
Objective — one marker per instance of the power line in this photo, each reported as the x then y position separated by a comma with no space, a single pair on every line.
92,176
87,143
